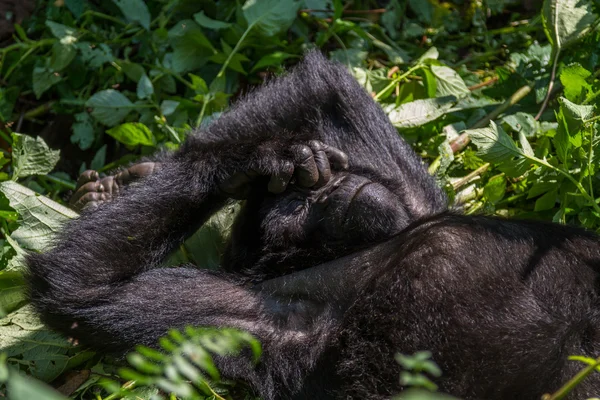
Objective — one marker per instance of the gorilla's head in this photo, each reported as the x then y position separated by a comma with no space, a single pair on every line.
304,227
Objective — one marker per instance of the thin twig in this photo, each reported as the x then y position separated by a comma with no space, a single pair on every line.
484,84
463,139
550,86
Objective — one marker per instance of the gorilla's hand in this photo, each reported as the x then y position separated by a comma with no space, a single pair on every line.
92,190
308,166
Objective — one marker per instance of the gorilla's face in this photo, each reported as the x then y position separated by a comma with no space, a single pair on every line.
348,210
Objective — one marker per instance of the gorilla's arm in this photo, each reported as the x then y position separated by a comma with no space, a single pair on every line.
99,284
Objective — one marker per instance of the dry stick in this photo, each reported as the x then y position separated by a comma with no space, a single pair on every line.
463,139
483,84
550,85
465,179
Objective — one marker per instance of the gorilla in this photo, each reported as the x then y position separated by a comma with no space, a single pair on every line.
344,253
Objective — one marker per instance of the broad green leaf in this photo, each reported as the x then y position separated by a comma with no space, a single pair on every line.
419,112
495,188
168,107
270,16
12,292
210,23
274,59
547,201
574,81
34,347
135,11
198,84
32,156
40,218
62,55
566,21
575,115
109,107
132,70
423,10
449,82
83,131
521,122
99,158
61,31
495,146
23,387
132,134
43,79
235,63
145,89
431,54
95,55
191,49
525,146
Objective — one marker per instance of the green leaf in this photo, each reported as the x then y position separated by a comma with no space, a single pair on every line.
135,11
34,348
32,156
419,112
547,201
145,89
83,131
61,31
133,71
566,21
431,54
573,79
575,115
198,84
270,16
521,122
62,55
99,158
95,55
210,23
449,82
495,188
274,59
132,134
495,146
191,49
168,107
43,79
109,107
12,291
40,218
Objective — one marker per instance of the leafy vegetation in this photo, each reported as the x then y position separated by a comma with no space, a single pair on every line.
499,97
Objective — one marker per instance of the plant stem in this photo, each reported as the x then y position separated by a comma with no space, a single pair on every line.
570,385
463,139
62,182
235,49
202,111
396,81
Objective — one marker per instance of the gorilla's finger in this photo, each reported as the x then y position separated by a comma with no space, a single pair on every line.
89,187
321,161
87,176
110,185
279,181
336,157
305,166
238,185
89,197
137,171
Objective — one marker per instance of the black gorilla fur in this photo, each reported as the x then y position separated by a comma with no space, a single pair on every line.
501,304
